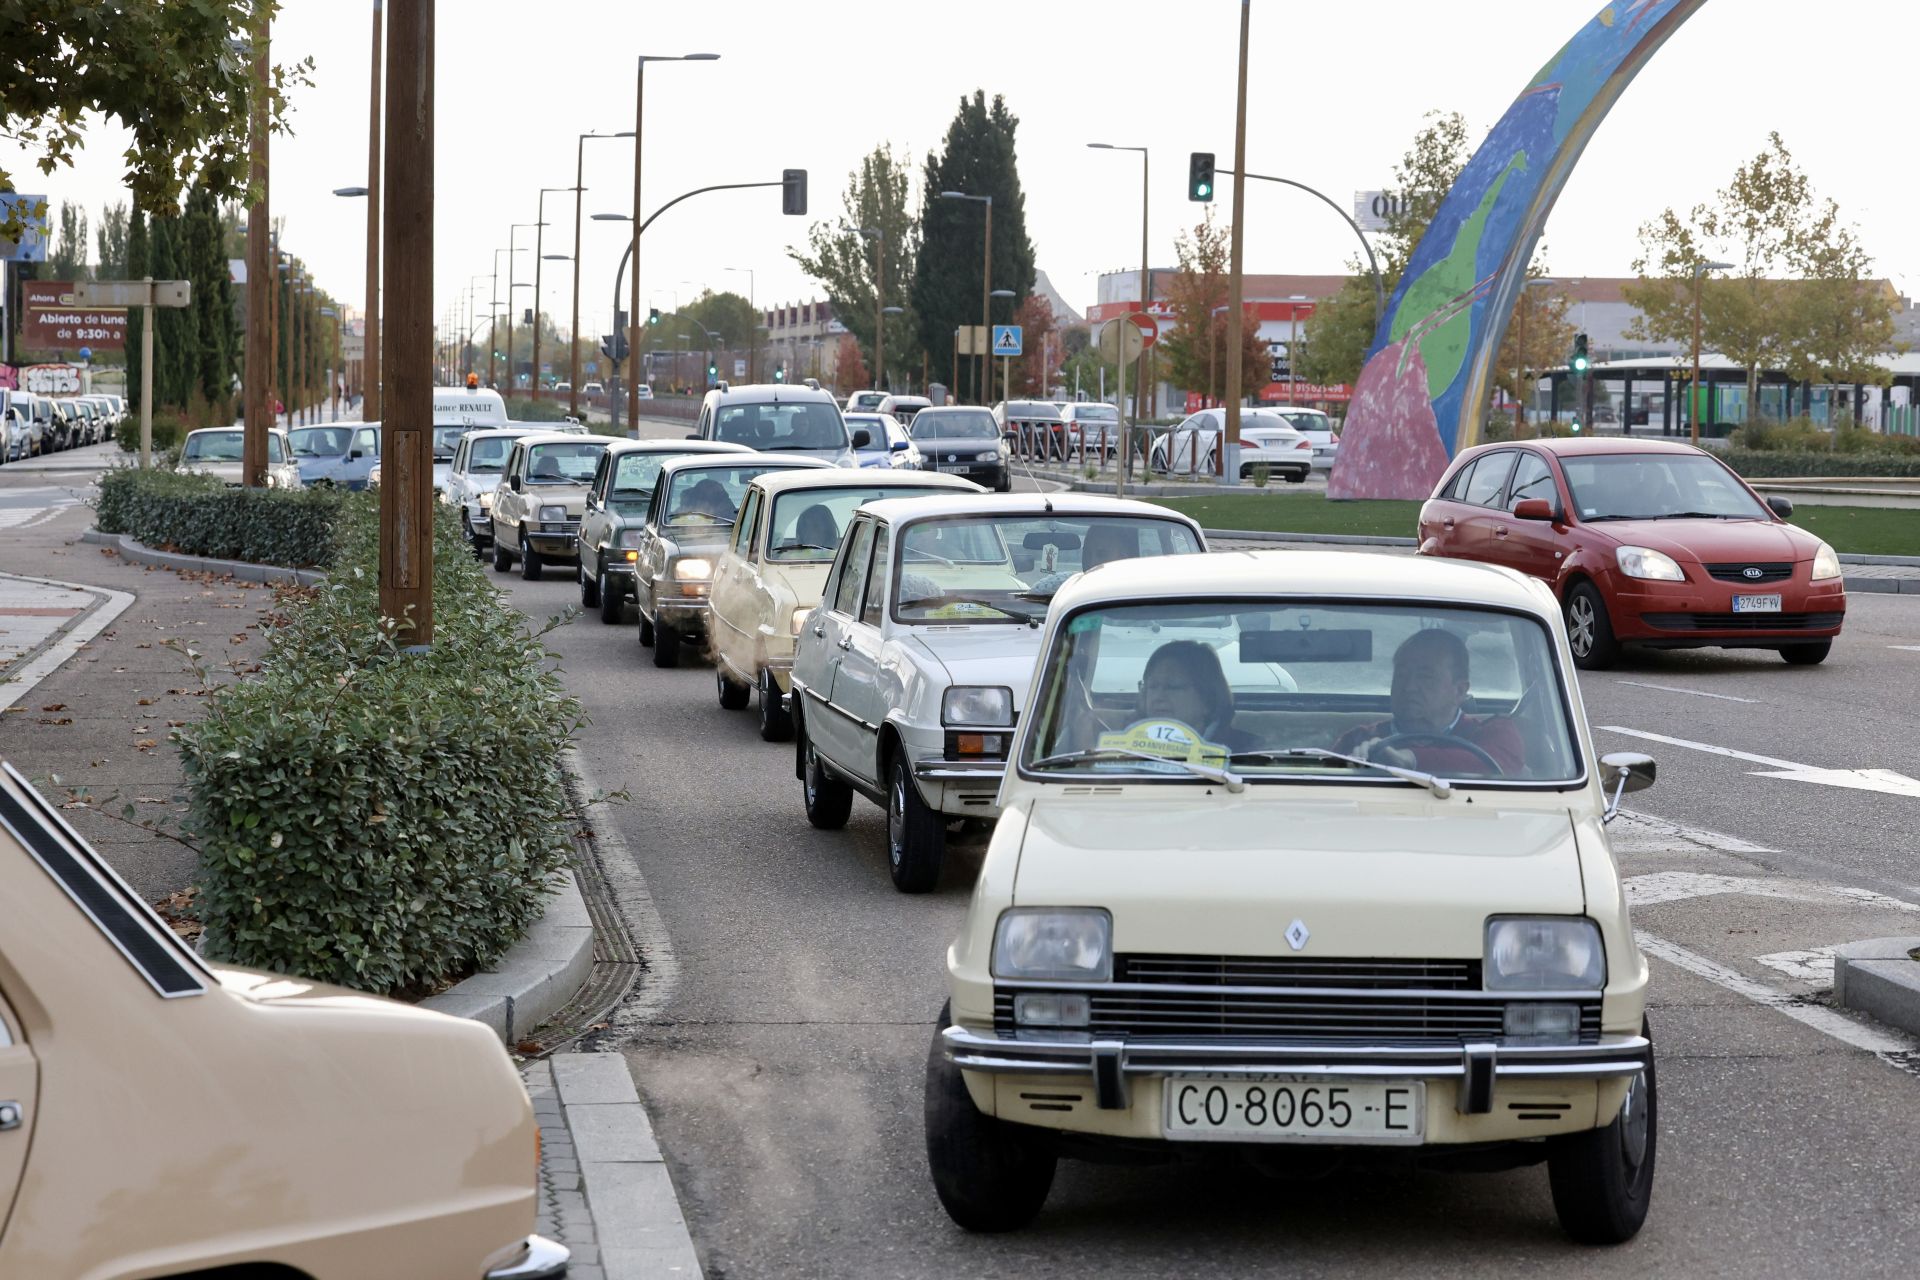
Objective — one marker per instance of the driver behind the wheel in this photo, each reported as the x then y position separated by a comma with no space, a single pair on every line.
1429,729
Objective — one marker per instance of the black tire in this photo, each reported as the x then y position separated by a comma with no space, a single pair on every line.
666,646
990,1175
734,696
612,600
646,631
776,721
916,835
1810,654
530,561
1602,1180
589,585
1589,631
829,801
502,562
1296,477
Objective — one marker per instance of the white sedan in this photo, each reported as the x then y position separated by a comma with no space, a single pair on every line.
1265,439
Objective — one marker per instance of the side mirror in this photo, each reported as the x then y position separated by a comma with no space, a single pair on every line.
355,456
1624,772
513,483
900,446
1780,507
862,438
1533,509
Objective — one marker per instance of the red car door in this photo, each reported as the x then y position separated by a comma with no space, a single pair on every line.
1471,504
1440,515
1535,547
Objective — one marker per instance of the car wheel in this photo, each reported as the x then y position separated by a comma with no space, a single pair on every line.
1297,477
1602,1180
1589,631
589,586
1809,654
829,801
613,600
776,722
666,646
646,631
990,1175
530,562
916,835
734,696
1005,484
502,562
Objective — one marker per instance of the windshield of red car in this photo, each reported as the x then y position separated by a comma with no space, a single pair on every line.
1656,486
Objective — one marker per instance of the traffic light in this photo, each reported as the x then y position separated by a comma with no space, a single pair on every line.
713,370
614,345
653,316
1580,362
793,191
779,373
1200,176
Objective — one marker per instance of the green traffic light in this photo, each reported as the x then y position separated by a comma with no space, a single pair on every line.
1203,191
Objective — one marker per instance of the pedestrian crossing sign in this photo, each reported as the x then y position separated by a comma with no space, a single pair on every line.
1006,340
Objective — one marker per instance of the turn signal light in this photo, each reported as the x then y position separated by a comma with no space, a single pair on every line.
633,557
980,744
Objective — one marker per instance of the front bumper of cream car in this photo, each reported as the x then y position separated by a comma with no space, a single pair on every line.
543,1260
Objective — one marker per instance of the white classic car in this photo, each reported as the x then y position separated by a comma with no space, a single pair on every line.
907,677
1376,909
772,572
611,530
479,460
541,497
216,452
689,521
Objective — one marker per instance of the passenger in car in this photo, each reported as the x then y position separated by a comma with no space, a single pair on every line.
1430,688
1183,681
707,498
816,527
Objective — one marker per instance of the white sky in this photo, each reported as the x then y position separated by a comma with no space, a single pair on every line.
1335,94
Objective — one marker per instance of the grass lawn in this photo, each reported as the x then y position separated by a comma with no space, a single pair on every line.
1885,531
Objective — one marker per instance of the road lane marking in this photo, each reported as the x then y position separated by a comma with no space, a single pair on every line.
1671,688
1701,746
1885,781
1677,886
1813,966
1910,648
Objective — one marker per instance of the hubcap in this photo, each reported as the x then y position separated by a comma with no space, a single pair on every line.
1633,1124
1580,614
813,765
897,819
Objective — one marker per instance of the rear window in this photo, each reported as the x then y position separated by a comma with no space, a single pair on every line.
955,424
806,424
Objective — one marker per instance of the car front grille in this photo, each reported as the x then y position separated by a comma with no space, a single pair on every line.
1294,971
1743,621
560,526
1767,571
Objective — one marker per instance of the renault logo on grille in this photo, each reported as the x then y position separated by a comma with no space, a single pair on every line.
1751,572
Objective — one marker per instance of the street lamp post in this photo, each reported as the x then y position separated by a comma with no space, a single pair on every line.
986,288
492,380
539,256
579,177
1236,290
753,334
333,382
1699,270
1293,341
513,232
1524,391
1210,344
1146,265
633,302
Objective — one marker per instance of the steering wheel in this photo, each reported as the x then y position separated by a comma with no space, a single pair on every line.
1449,739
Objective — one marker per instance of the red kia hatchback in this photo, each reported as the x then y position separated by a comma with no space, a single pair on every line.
1646,542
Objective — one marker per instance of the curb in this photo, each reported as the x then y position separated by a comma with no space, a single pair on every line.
140,553
537,976
31,668
1879,977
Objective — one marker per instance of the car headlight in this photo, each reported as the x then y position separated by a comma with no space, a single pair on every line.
1544,954
977,704
553,513
1645,562
800,617
692,568
1825,563
273,481
1053,944
630,539
991,455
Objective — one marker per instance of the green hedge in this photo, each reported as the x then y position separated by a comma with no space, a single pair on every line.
200,516
552,409
383,820
1759,464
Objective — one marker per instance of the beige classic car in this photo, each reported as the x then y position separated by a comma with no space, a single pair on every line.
541,497
771,574
216,451
163,1117
1368,907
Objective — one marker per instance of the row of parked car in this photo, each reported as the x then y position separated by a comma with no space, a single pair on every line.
1302,853
37,424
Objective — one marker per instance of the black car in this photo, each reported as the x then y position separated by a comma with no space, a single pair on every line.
962,441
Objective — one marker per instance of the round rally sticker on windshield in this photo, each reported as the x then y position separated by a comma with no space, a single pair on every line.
1169,739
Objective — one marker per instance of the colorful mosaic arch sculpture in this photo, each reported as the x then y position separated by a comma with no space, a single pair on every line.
1423,392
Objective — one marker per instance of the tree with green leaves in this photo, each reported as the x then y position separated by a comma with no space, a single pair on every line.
978,160
169,73
727,314
67,258
111,237
1196,350
843,258
211,315
176,356
133,268
1844,316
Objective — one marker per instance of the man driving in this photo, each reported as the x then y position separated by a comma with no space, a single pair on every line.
1429,728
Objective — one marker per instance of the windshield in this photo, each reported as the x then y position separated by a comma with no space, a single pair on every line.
807,524
709,495
1095,413
1462,693
447,439
1308,422
1656,486
866,399
490,454
1006,568
955,424
213,446
805,424
319,442
560,463
635,474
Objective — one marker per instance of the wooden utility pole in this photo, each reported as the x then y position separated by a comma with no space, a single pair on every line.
406,440
258,411
1236,317
370,363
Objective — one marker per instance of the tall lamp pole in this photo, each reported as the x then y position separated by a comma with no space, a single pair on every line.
513,233
539,256
492,335
1699,270
1140,390
753,334
579,177
1236,292
986,292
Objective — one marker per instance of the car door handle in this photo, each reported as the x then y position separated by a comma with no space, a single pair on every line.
1499,531
819,629
9,1115
1447,523
845,642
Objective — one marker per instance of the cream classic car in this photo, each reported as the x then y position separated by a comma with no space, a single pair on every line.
161,1116
610,532
216,452
770,576
479,460
907,678
1375,910
689,521
540,498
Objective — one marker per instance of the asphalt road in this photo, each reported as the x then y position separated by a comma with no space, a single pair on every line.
780,1045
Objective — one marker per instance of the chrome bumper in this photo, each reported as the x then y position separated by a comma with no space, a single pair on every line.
1477,1065
962,771
544,1260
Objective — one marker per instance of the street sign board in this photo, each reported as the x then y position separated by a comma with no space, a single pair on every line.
739,367
53,317
353,346
1006,340
133,293
972,339
1149,328
1122,343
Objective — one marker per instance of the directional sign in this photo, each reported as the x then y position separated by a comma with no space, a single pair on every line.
133,293
1006,340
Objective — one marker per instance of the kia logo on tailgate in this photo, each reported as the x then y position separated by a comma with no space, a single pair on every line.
1752,572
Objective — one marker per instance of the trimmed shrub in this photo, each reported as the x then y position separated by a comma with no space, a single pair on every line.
531,410
200,516
1760,464
169,429
374,818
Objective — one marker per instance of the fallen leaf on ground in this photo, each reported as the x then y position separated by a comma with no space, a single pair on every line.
146,744
55,706
146,702
61,720
527,1046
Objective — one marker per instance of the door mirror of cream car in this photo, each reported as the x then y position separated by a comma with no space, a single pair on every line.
1625,772
513,483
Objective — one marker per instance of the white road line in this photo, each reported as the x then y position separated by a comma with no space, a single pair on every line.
1677,886
1910,648
1813,966
1702,746
1891,1047
112,605
1698,693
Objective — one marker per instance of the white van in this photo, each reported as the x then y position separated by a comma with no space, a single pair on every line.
456,411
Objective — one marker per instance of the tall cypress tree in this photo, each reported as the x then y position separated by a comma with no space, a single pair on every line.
134,268
211,317
174,354
978,160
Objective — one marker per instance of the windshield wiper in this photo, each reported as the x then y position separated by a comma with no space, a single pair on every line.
1432,782
1225,777
803,546
1699,515
929,602
783,448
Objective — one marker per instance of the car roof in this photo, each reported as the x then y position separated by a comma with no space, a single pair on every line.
496,433
1576,445
749,458
567,437
1037,504
772,393
776,483
658,445
1347,574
